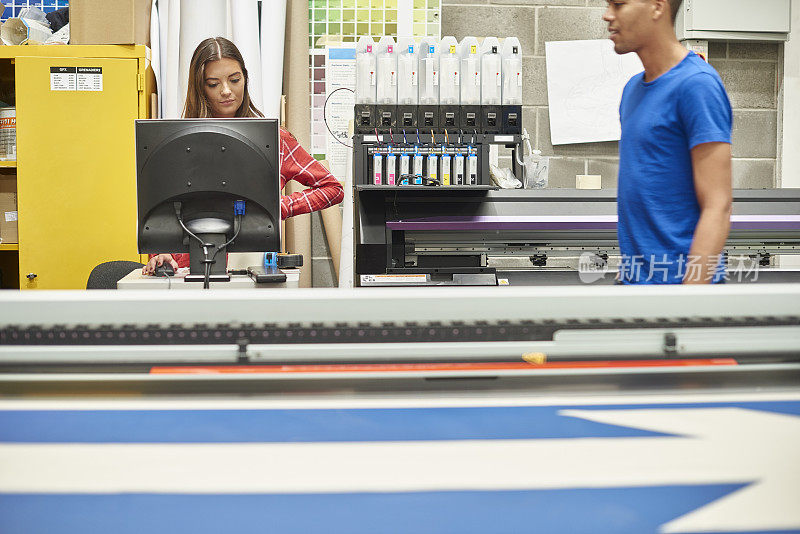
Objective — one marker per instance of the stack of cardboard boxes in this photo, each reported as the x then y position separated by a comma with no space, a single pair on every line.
109,22
8,210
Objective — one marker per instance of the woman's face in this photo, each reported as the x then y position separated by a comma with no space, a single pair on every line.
224,87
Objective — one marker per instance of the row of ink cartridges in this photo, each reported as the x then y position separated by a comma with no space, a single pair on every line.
424,166
439,84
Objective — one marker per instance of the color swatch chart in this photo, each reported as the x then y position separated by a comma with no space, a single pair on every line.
344,21
317,62
351,19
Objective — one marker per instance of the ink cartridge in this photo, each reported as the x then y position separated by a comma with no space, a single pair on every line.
404,169
458,169
472,169
417,169
377,169
391,168
445,172
433,168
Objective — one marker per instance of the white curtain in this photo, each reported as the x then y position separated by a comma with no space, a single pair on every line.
245,28
171,92
155,58
273,31
200,19
182,24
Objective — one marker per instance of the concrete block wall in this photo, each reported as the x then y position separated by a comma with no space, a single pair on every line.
750,72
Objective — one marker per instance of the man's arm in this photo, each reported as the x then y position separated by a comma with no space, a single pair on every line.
711,163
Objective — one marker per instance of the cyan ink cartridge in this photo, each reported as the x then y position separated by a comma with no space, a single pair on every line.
417,169
404,169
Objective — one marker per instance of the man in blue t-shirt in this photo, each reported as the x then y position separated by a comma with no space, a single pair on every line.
674,192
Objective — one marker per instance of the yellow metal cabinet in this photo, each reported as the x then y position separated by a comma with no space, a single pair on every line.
76,176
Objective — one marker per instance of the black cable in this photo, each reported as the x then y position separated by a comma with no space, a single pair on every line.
237,225
425,180
325,114
180,220
206,277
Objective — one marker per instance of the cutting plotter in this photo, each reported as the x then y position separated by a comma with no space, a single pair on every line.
364,337
470,410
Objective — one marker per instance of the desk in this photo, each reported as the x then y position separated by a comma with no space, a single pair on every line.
136,280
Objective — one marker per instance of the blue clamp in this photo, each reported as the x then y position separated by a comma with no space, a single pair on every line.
238,207
270,259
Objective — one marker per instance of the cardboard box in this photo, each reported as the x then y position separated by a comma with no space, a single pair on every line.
94,22
8,210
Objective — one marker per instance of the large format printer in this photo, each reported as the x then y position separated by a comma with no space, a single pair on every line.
435,236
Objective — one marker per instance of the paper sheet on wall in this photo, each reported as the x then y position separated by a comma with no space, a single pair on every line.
340,74
584,86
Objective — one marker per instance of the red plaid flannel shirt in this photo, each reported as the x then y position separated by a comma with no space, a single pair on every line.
323,190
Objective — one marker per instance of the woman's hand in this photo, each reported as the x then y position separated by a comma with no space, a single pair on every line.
157,261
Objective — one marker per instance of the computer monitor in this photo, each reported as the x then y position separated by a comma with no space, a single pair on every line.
192,176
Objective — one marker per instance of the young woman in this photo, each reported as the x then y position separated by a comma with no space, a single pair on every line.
218,89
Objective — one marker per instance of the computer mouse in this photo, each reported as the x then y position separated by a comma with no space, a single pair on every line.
165,269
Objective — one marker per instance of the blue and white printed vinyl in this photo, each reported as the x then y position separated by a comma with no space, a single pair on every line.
620,464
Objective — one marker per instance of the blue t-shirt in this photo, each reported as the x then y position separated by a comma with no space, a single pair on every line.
662,121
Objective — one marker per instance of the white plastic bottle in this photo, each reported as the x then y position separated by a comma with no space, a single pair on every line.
429,72
366,74
407,71
449,73
536,166
491,72
386,89
470,71
512,72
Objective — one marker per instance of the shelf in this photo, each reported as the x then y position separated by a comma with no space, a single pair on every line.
438,188
8,164
75,51
9,246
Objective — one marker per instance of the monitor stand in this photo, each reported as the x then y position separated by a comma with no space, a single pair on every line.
219,269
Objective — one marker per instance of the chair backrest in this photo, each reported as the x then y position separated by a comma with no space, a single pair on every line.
107,274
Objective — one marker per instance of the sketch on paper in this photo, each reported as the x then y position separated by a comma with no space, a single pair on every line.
584,85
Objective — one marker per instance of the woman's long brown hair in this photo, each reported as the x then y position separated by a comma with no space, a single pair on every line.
213,49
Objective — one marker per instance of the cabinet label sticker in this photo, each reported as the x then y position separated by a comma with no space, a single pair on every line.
90,78
62,78
76,78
